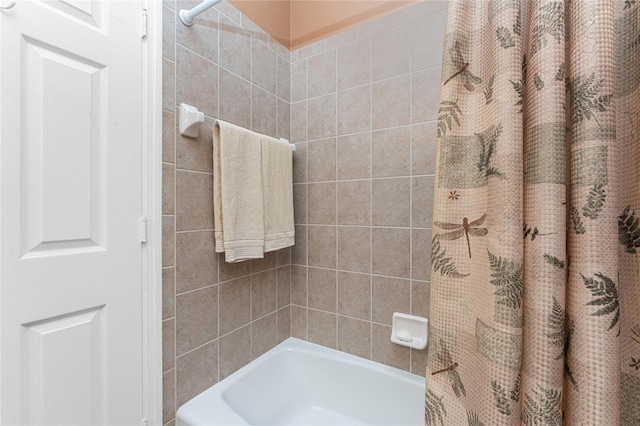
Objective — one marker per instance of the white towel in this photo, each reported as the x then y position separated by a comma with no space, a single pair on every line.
277,194
237,193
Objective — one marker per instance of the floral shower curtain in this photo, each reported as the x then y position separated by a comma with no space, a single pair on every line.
535,280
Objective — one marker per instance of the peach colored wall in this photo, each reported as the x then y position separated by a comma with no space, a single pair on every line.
296,23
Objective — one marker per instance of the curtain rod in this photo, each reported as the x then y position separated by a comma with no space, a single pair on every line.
186,16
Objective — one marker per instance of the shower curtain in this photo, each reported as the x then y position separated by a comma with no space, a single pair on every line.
535,277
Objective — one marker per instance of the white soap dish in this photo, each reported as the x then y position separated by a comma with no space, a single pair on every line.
410,330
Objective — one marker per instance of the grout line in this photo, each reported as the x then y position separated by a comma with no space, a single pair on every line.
175,206
335,177
370,44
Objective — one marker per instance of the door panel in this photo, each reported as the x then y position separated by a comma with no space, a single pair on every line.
70,185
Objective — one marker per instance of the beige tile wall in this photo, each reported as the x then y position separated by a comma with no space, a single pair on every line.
364,106
361,107
217,317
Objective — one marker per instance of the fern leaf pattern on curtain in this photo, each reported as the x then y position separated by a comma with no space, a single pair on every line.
535,281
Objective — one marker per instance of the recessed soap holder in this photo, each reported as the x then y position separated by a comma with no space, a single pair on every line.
410,330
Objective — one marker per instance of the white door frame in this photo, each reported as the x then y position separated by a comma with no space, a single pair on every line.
151,173
152,209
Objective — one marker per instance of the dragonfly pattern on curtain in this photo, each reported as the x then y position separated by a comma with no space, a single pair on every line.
535,282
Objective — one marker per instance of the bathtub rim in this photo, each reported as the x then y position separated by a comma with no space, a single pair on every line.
188,414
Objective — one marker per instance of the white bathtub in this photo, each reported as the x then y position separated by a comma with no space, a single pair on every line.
300,383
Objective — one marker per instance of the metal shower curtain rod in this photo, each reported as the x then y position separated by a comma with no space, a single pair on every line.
186,16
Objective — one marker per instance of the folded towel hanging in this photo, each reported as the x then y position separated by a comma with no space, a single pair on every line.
252,193
277,194
237,193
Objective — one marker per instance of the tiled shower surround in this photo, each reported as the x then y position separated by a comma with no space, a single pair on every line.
361,107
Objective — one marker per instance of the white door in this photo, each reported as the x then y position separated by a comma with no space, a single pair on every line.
70,204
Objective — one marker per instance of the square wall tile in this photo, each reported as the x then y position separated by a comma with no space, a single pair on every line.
283,128
197,81
322,246
312,49
283,324
341,38
263,294
168,396
168,188
322,328
263,62
269,261
391,152
425,93
235,99
354,64
391,52
235,304
263,112
168,136
354,249
377,25
391,202
428,27
194,201
422,206
196,318
264,335
354,156
354,337
284,286
389,295
228,271
322,289
196,261
283,257
168,33
195,153
354,295
354,110
299,250
168,84
168,344
299,81
419,362
202,36
354,202
423,148
322,160
322,74
421,254
391,252
386,352
283,78
235,48
391,102
300,203
226,8
299,285
322,113
197,371
420,298
322,203
299,122
235,351
300,163
299,322
256,32
168,292
168,238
